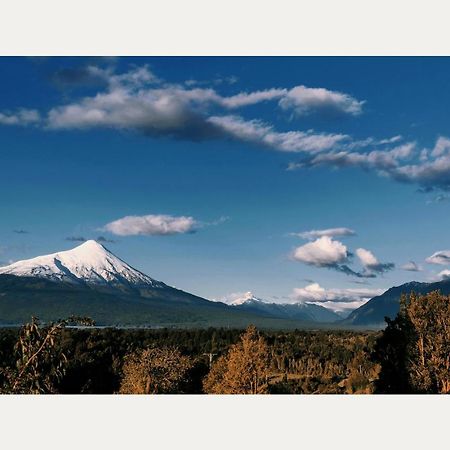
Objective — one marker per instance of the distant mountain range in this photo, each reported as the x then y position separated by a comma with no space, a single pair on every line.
294,311
91,281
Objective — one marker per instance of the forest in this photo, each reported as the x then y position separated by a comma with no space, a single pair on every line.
71,356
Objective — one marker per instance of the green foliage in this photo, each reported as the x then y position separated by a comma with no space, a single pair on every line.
168,307
390,352
40,362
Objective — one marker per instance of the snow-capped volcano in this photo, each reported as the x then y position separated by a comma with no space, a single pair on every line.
89,263
242,298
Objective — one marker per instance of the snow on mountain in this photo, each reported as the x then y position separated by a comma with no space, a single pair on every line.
89,263
243,298
302,311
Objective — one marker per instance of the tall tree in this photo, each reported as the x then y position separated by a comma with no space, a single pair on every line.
243,370
414,349
429,351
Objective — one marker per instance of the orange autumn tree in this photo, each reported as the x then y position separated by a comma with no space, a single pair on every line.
414,348
243,370
154,371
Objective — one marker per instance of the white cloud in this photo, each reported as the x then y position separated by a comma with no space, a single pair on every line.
411,266
149,225
441,147
428,168
433,173
391,140
442,257
132,102
383,161
155,112
246,99
314,234
371,263
335,299
136,77
323,252
444,274
303,100
333,254
139,101
258,133
366,257
20,117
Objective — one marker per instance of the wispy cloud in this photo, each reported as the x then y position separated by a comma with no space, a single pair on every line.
379,160
104,240
76,239
259,133
101,239
331,232
137,100
407,163
20,117
439,198
219,221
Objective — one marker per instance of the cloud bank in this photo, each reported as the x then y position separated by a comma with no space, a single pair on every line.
406,163
338,300
139,101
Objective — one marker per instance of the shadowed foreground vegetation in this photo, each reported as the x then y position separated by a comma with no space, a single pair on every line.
412,355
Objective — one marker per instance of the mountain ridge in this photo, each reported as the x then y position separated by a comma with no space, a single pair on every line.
299,311
387,304
91,281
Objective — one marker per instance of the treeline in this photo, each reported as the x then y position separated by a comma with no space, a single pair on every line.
299,361
410,356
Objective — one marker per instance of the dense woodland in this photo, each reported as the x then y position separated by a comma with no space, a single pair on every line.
412,355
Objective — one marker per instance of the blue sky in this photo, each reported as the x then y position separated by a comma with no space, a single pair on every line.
218,161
